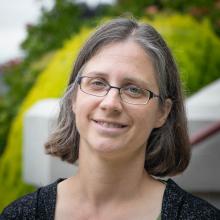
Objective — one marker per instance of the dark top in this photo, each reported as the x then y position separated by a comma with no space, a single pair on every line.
177,204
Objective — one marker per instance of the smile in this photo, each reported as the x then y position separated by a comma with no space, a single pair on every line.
106,124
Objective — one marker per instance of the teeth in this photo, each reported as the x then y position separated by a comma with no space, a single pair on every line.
109,125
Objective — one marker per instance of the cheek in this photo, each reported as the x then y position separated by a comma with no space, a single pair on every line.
145,124
81,120
145,128
83,107
77,109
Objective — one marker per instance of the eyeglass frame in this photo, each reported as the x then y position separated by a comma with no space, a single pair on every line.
152,94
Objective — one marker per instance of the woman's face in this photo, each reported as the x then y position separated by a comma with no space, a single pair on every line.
106,124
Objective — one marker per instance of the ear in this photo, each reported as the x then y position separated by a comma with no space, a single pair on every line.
163,113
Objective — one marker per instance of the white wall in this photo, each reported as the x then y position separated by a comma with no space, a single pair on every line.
39,168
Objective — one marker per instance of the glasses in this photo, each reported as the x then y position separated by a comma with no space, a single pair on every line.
131,93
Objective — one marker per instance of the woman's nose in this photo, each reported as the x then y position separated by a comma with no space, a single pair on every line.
112,101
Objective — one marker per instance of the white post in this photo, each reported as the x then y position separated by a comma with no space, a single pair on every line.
38,168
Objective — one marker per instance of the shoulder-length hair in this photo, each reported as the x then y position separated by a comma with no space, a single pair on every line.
168,150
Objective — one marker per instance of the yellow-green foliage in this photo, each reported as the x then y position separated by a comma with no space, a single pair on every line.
51,83
196,50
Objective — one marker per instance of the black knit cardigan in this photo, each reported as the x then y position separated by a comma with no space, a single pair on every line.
177,204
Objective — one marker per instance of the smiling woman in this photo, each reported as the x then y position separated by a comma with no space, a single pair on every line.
122,117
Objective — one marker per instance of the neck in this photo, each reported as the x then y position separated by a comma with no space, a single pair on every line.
103,180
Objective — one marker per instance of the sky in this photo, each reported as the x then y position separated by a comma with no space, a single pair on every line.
15,15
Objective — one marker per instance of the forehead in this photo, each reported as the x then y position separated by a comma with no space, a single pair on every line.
123,60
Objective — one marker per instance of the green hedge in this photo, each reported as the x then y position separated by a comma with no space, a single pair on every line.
19,79
196,50
50,83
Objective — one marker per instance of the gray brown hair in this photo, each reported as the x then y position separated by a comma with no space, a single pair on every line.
168,150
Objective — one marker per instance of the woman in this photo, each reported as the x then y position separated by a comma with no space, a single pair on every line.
123,118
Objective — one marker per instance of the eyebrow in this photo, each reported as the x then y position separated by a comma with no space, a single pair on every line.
96,73
142,83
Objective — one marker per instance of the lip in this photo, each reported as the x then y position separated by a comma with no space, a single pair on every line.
119,124
109,127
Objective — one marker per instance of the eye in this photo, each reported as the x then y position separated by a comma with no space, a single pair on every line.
97,84
133,91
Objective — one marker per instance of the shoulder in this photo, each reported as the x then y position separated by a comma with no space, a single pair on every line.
179,204
34,205
25,207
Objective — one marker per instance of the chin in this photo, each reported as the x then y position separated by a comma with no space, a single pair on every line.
108,149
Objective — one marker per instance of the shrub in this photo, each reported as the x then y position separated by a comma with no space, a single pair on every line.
50,83
18,78
195,47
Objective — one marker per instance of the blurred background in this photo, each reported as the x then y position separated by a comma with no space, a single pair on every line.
39,40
